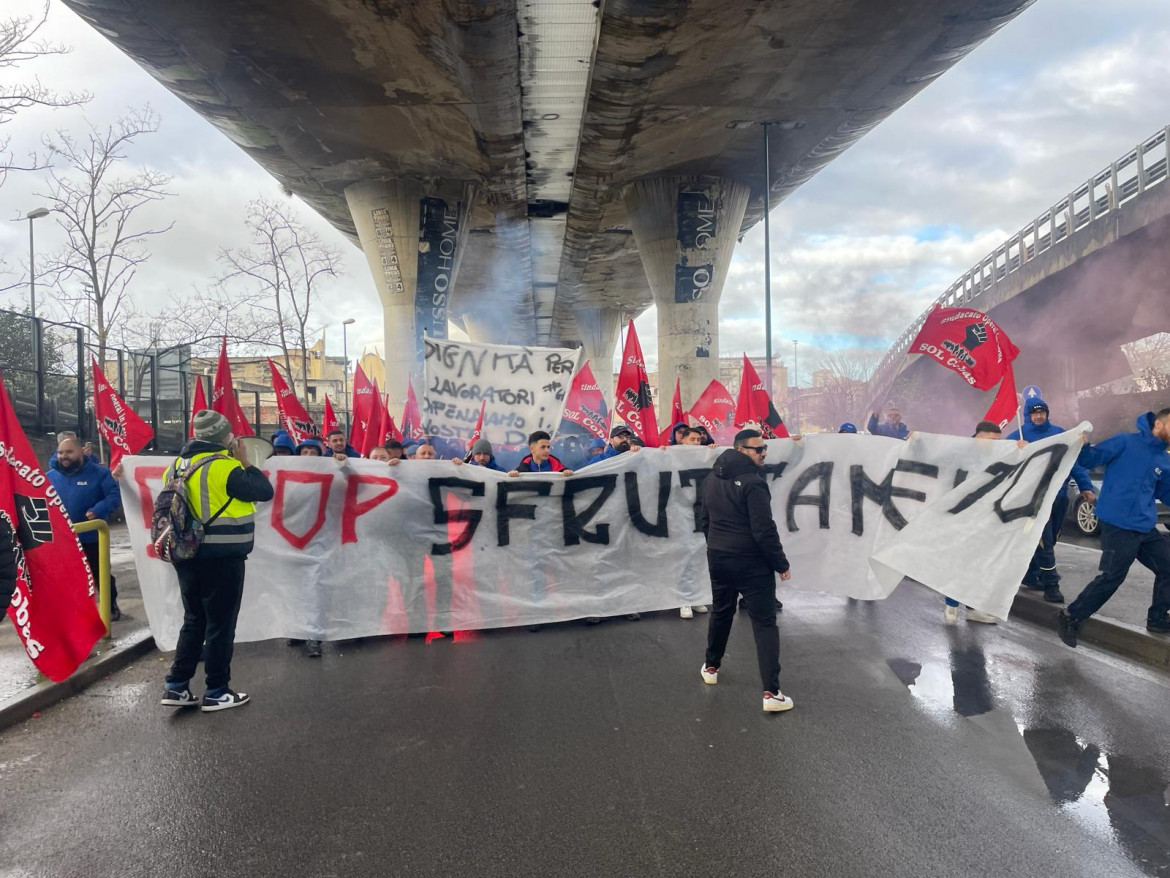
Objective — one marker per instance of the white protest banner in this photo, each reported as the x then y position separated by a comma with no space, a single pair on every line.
524,388
358,548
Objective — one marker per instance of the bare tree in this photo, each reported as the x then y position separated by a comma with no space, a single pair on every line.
840,380
1149,358
19,46
286,267
96,207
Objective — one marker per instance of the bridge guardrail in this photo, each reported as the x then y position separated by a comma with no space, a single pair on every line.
1144,166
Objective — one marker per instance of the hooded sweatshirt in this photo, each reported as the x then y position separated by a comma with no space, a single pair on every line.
672,431
736,513
1033,433
1137,470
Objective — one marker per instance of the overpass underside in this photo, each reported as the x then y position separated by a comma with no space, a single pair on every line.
537,171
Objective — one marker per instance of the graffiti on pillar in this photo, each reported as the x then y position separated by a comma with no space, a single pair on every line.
384,235
696,220
691,282
438,230
696,232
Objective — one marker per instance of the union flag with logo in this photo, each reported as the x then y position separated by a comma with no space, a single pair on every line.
117,423
53,605
970,343
585,414
293,417
634,402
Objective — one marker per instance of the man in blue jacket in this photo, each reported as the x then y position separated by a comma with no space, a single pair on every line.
895,428
1042,574
89,492
1137,472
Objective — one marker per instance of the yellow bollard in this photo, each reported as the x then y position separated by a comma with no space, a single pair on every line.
103,571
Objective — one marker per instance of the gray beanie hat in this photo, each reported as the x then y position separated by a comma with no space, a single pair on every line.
481,446
211,426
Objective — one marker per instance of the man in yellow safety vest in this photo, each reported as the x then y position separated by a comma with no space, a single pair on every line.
222,493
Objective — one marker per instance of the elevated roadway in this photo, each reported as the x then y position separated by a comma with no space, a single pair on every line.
1087,276
521,166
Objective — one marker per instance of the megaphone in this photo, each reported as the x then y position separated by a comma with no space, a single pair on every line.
256,448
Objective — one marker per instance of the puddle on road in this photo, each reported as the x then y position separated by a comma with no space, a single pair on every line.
1121,798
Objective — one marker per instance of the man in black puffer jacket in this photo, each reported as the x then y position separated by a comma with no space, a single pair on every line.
744,555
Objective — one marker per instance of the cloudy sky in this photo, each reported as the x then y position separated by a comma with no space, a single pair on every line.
858,251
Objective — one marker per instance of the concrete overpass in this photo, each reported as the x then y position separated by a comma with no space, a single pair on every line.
538,170
1087,276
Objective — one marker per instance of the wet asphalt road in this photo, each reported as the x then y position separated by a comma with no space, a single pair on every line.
914,750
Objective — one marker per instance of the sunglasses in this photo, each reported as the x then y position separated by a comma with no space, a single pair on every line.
758,449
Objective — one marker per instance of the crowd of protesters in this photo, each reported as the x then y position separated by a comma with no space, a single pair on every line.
744,551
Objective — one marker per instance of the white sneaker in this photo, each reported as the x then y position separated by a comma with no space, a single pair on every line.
977,616
686,612
700,608
710,675
777,702
227,701
951,615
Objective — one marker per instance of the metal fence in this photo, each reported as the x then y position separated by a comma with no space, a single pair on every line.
1144,166
46,368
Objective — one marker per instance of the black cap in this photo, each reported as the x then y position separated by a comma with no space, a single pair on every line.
619,429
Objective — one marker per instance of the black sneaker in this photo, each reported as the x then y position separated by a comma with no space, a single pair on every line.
1053,595
633,617
1031,586
227,701
1068,627
179,698
115,614
313,648
779,606
1158,627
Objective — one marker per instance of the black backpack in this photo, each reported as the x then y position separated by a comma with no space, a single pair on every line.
177,533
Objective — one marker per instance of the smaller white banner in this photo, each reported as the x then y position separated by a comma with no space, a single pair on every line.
525,389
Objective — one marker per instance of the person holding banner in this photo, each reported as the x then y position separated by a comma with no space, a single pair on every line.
540,459
744,555
893,427
89,493
1042,574
338,447
223,493
1137,472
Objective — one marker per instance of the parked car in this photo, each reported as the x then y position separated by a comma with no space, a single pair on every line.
1082,514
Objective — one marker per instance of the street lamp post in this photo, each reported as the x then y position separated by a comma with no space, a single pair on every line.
345,376
32,271
767,263
795,382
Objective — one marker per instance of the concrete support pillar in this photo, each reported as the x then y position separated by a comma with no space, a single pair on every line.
413,235
599,328
1063,402
686,229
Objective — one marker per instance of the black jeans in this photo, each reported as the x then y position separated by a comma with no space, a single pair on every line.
1119,549
211,591
1042,569
91,555
731,577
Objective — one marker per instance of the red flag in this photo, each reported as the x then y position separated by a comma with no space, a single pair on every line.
1003,409
198,405
715,410
223,395
293,417
118,424
329,419
677,415
382,428
411,417
968,342
52,606
389,428
754,405
365,394
634,403
585,411
477,433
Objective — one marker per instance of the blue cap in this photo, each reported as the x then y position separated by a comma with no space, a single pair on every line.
281,439
311,442
596,443
1035,404
847,428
